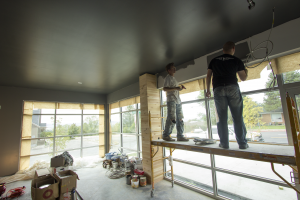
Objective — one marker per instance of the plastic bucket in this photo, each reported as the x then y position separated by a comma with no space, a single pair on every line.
135,184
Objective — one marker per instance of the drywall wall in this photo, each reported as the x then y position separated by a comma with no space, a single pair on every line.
124,93
11,101
284,37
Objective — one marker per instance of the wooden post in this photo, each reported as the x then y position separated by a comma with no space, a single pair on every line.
150,101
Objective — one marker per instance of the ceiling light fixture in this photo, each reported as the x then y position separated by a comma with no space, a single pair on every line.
80,83
251,4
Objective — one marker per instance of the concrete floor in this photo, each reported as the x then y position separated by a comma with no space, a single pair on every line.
94,185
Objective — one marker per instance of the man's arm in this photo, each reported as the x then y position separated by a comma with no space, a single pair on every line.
208,79
168,89
243,74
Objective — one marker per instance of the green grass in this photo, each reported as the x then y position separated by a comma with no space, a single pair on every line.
270,127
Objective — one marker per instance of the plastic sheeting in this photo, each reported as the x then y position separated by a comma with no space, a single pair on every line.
27,174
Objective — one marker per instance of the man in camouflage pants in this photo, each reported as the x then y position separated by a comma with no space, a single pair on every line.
174,106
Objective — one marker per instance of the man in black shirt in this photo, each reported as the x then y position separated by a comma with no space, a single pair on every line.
227,93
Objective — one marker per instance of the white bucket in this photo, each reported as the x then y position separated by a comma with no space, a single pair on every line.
135,184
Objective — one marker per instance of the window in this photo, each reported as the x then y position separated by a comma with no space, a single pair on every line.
125,126
49,128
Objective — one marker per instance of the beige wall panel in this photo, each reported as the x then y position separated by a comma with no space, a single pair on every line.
101,123
43,105
27,126
69,106
24,162
25,147
101,151
101,139
28,107
288,63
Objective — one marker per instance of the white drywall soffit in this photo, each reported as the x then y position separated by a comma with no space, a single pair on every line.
285,38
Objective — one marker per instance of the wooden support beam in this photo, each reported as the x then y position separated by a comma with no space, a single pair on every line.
150,101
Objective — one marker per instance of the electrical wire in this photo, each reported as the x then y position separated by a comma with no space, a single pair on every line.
266,57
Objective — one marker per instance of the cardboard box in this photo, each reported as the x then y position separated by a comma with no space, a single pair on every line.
61,197
58,169
43,177
57,162
67,180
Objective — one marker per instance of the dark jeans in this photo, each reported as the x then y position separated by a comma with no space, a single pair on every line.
174,112
225,96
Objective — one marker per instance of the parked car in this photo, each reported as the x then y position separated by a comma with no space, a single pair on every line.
251,136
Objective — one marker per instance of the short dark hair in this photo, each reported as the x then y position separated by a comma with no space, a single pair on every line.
169,66
228,46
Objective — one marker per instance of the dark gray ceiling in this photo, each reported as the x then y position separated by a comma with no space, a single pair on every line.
108,44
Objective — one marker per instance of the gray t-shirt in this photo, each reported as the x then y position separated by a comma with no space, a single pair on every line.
171,82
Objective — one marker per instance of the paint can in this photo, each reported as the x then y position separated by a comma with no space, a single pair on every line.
143,181
134,184
128,179
135,177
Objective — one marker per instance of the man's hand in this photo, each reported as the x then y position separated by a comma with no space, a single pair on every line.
208,94
179,88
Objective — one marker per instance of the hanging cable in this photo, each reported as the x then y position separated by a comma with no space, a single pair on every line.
266,57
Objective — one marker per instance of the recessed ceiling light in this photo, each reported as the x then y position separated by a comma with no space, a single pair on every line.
80,83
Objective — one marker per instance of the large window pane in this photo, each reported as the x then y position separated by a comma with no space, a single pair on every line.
263,82
193,175
236,187
65,143
44,157
256,168
195,157
291,77
90,124
39,146
42,126
192,96
130,152
90,140
116,141
115,123
129,122
129,141
195,122
68,125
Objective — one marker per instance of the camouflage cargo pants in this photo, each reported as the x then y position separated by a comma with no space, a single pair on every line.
174,112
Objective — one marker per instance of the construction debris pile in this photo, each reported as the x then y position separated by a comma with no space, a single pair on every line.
119,165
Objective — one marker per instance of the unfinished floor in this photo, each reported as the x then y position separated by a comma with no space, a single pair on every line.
93,184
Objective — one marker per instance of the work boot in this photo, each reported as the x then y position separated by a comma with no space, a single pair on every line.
243,146
168,138
182,139
223,146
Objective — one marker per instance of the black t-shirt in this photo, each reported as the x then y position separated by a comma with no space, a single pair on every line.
224,70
